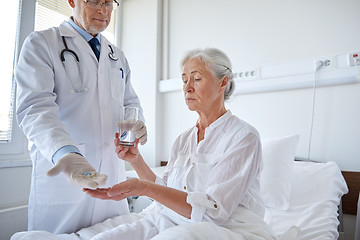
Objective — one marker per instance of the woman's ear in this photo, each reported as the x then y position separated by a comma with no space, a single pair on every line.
224,83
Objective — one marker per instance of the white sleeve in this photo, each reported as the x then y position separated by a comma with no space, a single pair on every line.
200,203
36,109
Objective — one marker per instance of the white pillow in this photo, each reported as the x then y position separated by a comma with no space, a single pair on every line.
276,176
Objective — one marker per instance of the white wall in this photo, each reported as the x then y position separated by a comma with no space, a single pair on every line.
15,188
264,32
252,33
139,39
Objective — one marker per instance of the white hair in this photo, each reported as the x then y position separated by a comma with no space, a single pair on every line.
217,62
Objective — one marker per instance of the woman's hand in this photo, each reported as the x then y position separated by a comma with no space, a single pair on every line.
170,197
129,188
128,154
100,193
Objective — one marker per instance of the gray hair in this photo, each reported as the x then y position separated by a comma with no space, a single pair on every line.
217,62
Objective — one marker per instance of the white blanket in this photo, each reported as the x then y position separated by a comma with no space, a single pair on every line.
243,225
316,192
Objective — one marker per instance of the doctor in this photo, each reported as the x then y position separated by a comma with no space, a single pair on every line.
68,102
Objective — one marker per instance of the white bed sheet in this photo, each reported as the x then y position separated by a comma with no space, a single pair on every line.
316,192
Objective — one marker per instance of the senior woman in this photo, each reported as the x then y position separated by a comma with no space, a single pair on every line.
212,178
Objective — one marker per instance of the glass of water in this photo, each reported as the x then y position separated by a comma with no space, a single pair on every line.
128,118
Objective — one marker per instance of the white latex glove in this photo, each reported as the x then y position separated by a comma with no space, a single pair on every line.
138,128
78,171
140,131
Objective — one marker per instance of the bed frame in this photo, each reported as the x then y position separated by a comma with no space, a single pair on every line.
350,200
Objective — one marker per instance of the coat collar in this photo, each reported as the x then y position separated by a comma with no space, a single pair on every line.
67,30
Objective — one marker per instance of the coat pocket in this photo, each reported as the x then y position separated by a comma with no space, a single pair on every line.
117,85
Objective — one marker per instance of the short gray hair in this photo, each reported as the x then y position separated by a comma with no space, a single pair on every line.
217,62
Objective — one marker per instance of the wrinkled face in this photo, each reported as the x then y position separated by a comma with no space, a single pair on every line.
201,89
90,19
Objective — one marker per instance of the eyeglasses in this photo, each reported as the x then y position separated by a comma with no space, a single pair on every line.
98,4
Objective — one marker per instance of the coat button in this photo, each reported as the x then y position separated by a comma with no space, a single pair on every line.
184,187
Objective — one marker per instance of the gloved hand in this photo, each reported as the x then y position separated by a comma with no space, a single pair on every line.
140,131
138,128
78,171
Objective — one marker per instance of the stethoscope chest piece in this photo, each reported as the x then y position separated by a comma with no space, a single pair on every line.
112,56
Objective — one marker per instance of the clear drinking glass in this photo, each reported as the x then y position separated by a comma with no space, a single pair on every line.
128,118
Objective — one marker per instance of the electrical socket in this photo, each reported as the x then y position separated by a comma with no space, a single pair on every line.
246,74
329,63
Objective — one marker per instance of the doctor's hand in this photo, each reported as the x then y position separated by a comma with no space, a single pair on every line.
138,128
78,171
128,188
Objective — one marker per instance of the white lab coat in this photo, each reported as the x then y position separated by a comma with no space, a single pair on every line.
52,116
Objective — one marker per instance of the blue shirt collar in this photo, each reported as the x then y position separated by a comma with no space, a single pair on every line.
87,36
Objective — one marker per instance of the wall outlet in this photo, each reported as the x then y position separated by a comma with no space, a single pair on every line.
328,63
246,74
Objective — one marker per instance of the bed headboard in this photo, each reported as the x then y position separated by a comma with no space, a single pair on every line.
350,200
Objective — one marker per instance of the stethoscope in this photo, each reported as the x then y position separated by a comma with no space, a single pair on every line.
112,56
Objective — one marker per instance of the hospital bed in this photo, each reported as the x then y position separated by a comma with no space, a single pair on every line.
302,199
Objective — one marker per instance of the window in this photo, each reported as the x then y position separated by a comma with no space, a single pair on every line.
7,81
13,144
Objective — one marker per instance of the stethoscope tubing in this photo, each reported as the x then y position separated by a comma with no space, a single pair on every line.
66,49
112,56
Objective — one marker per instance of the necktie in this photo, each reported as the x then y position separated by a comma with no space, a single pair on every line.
93,44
